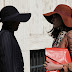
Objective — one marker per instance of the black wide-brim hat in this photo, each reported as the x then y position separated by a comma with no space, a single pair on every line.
10,13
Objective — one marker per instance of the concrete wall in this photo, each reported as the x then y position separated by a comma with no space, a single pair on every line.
33,34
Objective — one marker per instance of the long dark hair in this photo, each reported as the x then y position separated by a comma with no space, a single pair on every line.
55,31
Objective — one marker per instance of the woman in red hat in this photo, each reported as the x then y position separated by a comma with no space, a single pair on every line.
62,34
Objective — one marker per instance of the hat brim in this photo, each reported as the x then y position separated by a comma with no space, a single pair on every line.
20,17
24,17
48,16
66,19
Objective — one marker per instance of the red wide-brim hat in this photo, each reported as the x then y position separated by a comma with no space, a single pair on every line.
64,11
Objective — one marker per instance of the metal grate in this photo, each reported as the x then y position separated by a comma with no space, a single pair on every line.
37,59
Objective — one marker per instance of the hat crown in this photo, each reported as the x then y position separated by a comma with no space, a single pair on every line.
8,11
63,9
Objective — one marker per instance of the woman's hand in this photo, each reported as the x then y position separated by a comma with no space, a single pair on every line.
70,66
51,66
65,67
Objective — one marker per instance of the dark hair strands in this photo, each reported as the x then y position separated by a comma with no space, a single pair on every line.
55,31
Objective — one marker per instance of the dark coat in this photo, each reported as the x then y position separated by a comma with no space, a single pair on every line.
11,59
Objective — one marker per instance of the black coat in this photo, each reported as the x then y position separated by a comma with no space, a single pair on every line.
11,59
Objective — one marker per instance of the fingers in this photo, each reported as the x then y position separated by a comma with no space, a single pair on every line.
44,64
66,65
46,69
48,61
70,66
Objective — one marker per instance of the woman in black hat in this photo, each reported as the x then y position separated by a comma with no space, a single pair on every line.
11,59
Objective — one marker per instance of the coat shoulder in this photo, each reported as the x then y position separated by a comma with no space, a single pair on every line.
5,33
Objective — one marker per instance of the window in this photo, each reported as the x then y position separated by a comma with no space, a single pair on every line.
37,59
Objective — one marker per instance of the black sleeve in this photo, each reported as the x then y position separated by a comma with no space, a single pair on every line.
6,52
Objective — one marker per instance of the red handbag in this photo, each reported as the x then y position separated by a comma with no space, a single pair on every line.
57,56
